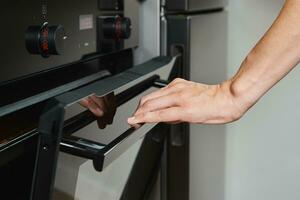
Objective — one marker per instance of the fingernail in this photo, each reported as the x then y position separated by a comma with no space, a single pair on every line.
131,120
100,112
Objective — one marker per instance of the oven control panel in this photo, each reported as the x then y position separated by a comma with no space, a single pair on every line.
45,40
117,27
112,32
48,34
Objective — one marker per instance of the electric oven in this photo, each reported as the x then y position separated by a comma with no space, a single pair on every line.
55,54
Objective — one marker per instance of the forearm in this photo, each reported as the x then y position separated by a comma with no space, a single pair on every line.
277,53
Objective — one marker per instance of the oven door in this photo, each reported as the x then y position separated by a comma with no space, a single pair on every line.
97,162
94,164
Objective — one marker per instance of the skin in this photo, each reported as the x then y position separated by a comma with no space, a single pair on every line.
273,57
103,108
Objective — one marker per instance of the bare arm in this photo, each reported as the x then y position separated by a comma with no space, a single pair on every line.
277,53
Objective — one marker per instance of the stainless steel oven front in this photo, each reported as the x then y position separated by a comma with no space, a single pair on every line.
56,54
36,127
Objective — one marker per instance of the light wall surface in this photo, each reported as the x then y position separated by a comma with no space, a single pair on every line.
262,149
257,157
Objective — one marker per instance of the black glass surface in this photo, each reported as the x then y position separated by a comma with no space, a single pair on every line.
16,169
19,124
18,144
15,90
17,16
111,124
78,19
23,121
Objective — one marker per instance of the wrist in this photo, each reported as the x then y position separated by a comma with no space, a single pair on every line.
245,86
239,100
241,94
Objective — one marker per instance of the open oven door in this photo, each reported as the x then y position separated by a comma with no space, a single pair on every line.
58,132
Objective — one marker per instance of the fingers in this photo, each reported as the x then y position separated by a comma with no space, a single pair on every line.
173,87
170,115
159,103
108,105
92,106
84,102
136,126
100,102
160,106
104,108
153,95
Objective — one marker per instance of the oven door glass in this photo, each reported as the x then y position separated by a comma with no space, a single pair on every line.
76,177
48,122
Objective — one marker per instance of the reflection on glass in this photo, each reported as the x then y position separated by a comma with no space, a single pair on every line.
104,108
19,123
24,121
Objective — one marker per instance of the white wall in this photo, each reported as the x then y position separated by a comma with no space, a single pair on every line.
263,148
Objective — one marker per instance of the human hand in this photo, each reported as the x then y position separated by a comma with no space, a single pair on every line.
187,101
104,108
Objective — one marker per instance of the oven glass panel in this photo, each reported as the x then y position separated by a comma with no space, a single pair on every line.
113,123
19,124
43,82
16,169
75,173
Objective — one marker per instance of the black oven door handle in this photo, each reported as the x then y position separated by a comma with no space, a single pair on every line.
52,119
118,83
103,155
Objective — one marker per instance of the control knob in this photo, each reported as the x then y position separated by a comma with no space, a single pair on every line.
45,40
117,28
